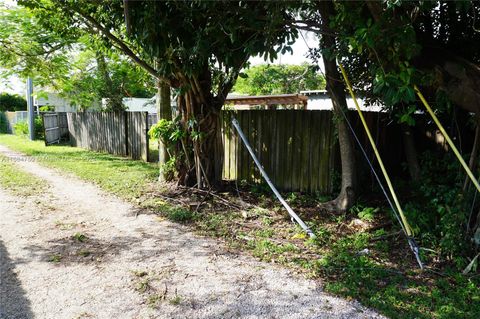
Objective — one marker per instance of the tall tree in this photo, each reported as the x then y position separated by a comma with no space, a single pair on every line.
279,79
336,90
96,73
200,46
27,50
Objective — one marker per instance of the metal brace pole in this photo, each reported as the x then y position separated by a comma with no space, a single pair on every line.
31,112
269,182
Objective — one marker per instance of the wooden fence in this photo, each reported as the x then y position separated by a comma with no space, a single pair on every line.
12,118
295,147
118,133
55,127
299,150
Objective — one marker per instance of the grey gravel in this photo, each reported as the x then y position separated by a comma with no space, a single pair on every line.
133,265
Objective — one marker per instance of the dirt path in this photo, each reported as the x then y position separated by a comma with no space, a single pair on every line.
132,266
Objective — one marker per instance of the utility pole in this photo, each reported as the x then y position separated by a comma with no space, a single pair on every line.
30,108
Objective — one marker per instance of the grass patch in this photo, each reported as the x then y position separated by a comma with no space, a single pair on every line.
175,300
123,177
180,215
79,237
17,181
55,258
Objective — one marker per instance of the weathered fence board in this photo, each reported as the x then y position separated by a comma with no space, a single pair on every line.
55,127
118,133
14,117
295,147
298,148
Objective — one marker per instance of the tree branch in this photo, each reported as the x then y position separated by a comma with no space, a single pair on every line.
94,24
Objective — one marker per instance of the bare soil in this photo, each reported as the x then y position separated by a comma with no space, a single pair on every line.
78,252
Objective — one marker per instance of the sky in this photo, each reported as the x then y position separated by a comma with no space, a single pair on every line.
300,49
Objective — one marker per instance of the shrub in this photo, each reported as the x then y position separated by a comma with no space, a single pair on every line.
12,102
3,123
439,212
170,133
21,128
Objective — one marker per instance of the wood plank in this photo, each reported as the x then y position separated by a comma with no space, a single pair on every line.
316,150
245,116
226,141
271,133
233,148
306,150
283,156
296,162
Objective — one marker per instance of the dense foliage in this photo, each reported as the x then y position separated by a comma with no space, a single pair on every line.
388,47
279,79
103,74
27,49
79,67
12,102
21,128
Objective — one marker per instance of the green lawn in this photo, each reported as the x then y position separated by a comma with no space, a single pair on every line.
386,278
17,181
123,177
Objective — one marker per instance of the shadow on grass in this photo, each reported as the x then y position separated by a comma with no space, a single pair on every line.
13,301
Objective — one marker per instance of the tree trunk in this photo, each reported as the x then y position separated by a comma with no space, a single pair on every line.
411,153
336,91
347,195
204,150
164,111
211,149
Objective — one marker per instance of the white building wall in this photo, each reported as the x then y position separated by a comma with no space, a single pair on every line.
319,100
134,104
53,99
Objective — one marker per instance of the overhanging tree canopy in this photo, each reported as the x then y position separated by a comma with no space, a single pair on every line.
198,47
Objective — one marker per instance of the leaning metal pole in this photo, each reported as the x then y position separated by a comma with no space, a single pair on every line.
269,182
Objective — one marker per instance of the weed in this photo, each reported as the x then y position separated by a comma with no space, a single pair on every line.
175,301
266,249
56,258
143,285
64,226
180,215
84,253
265,233
80,237
365,213
216,224
139,273
267,221
153,300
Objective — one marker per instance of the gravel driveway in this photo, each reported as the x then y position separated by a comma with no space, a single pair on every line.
78,252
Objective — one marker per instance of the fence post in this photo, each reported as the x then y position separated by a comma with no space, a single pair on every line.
147,146
125,119
31,113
